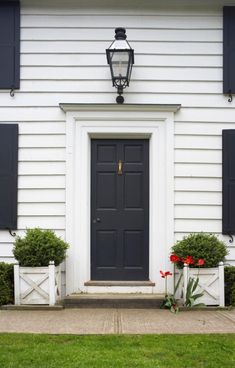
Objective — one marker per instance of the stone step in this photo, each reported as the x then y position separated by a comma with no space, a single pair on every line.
113,301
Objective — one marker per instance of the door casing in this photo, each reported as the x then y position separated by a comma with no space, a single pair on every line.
86,121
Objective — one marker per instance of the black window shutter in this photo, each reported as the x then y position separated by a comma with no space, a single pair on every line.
229,50
9,44
8,175
228,182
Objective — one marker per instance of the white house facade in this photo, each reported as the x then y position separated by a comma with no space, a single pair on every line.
83,158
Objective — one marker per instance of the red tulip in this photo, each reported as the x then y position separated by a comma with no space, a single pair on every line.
165,274
174,258
201,262
188,260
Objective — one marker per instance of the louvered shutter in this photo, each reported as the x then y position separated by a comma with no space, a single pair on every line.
9,44
8,175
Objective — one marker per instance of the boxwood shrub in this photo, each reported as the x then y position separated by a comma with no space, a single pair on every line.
38,248
6,283
229,280
201,245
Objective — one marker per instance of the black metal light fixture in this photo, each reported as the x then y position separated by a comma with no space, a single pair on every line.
120,57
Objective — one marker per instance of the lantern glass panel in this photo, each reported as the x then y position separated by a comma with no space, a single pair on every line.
120,64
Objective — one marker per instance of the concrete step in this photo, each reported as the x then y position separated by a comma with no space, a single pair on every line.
32,307
113,301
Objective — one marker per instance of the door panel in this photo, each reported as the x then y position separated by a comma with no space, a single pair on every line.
133,189
119,209
106,192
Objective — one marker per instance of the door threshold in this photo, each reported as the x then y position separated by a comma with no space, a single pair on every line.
119,283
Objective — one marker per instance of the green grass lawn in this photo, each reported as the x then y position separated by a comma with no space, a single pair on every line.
69,351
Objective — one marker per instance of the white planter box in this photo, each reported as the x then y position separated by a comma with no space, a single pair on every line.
211,284
37,285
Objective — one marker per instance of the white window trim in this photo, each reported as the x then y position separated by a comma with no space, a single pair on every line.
85,121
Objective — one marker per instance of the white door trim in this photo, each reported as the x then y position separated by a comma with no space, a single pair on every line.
84,122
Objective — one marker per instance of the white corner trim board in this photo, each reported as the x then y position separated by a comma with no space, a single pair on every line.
86,121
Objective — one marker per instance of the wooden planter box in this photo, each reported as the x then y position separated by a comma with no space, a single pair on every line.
211,284
37,285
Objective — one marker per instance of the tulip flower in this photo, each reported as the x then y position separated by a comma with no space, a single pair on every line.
174,258
200,262
188,260
165,274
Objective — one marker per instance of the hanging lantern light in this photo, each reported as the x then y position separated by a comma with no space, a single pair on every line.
120,57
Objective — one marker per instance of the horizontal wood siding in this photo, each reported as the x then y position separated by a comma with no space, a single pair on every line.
178,59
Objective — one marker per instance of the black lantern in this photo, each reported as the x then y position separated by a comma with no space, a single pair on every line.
120,57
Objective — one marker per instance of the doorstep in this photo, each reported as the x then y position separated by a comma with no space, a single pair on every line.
99,300
119,283
31,307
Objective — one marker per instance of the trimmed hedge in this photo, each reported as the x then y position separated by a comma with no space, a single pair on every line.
38,248
6,283
229,280
201,245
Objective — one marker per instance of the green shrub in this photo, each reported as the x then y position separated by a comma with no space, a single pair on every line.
6,283
201,245
229,280
38,248
233,295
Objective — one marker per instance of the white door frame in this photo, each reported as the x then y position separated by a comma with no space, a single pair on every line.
86,121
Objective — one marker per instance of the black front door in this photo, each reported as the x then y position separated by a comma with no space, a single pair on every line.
119,209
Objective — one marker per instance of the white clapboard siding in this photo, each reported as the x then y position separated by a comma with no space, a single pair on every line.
42,154
156,21
178,60
198,156
30,195
198,198
169,8
208,115
198,170
41,209
53,140
139,73
140,60
53,99
44,222
198,184
5,237
6,250
93,86
210,129
40,181
41,168
42,128
199,225
198,212
199,141
90,34
94,47
11,113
